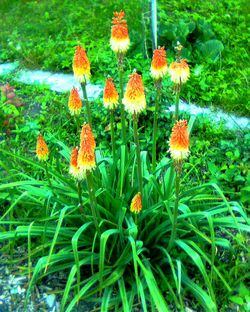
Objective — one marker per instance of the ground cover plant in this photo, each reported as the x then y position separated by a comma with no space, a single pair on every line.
127,222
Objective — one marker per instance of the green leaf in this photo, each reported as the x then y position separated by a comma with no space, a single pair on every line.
211,49
153,288
236,299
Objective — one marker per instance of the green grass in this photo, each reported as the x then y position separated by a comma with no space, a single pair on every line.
45,37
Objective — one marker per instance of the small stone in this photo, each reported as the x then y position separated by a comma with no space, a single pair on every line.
50,300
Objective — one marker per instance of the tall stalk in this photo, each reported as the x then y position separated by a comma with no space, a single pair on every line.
155,126
138,151
77,121
112,132
84,90
120,69
92,199
48,176
175,214
177,102
176,116
79,191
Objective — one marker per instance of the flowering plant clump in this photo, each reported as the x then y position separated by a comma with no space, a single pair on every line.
154,252
119,40
134,98
42,150
81,65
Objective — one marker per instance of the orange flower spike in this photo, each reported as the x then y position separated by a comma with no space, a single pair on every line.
74,169
179,141
119,40
179,71
42,150
136,204
86,156
81,65
134,98
87,136
75,102
159,66
110,94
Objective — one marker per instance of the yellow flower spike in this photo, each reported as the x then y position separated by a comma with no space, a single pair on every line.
179,141
74,169
119,40
75,102
81,65
110,94
179,71
134,98
159,65
42,150
86,155
136,204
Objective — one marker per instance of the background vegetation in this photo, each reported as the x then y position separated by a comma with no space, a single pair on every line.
214,34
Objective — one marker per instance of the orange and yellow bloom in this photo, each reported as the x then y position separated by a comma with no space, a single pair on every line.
110,94
119,40
74,169
81,65
136,204
86,155
75,102
179,71
159,66
179,141
42,150
134,98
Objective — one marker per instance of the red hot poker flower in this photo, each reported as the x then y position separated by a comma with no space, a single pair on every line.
159,64
75,102
110,94
179,141
119,40
179,71
81,65
42,150
136,204
86,156
134,98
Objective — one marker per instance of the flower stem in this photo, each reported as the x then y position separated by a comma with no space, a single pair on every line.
176,116
120,68
157,101
77,120
175,214
79,191
92,200
138,152
48,176
112,132
84,90
177,101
